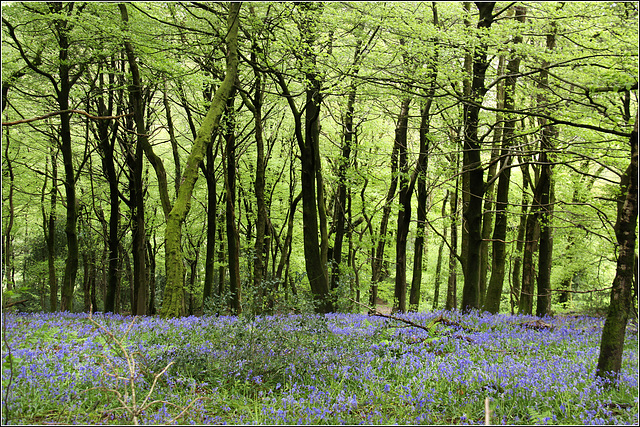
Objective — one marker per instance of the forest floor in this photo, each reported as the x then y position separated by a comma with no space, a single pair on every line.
382,306
415,368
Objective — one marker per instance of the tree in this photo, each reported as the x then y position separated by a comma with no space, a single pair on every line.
172,305
494,290
613,332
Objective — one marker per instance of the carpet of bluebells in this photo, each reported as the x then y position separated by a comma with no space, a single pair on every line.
313,369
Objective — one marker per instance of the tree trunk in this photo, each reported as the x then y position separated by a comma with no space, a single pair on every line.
404,210
172,305
438,275
71,228
212,214
532,234
549,133
382,236
421,174
151,258
613,332
488,212
106,146
233,242
472,167
50,235
313,215
494,291
7,240
452,281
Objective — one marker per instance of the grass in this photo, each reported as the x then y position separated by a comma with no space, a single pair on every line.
312,369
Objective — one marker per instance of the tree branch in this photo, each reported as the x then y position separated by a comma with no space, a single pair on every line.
55,113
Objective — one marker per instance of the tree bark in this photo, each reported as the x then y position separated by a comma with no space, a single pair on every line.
71,228
494,291
613,332
136,185
339,216
382,236
488,211
212,214
51,235
106,146
421,174
173,304
404,210
549,133
452,281
472,167
233,240
438,275
314,221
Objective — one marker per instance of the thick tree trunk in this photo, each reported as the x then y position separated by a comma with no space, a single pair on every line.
613,332
472,167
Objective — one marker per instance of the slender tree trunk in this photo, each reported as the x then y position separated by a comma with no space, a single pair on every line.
106,146
472,167
7,239
212,214
487,215
438,275
404,211
421,176
151,258
222,271
549,133
452,281
50,236
286,247
233,242
382,236
494,291
532,235
136,100
613,332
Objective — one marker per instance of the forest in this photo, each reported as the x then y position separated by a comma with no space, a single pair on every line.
248,160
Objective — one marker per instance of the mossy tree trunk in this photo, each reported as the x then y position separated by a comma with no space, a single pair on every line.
173,303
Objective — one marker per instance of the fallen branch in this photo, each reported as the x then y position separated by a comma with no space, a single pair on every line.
537,324
11,304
